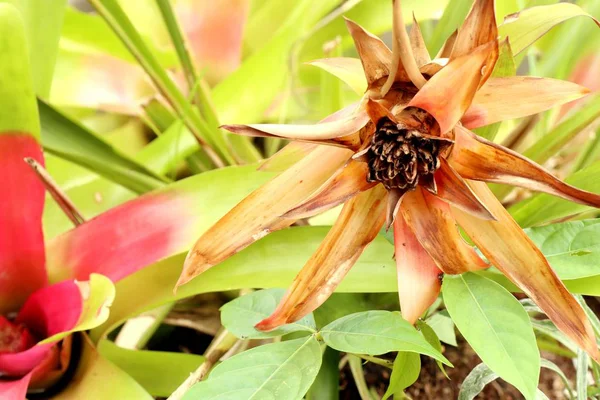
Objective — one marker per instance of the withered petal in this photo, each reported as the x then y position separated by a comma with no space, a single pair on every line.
434,226
474,157
505,244
453,189
358,224
393,206
342,132
419,279
347,182
446,49
448,94
259,213
418,44
495,101
478,29
375,56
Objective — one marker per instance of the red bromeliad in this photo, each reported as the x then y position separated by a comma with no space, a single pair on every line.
405,155
49,290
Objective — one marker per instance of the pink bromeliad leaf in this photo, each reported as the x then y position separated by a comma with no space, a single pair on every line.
21,204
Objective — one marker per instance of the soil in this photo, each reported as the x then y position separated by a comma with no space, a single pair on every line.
433,385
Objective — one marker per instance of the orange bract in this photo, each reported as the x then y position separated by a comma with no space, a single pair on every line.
405,144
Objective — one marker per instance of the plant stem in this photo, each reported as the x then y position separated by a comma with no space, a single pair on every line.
376,360
218,347
359,377
61,198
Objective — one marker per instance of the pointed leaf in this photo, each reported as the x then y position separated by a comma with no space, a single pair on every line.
405,372
448,94
375,56
347,69
478,29
476,158
435,228
497,327
418,44
258,214
525,27
495,101
361,219
283,370
505,244
377,332
543,208
71,141
350,180
419,278
342,132
240,315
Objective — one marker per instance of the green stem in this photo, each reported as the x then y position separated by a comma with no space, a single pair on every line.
359,377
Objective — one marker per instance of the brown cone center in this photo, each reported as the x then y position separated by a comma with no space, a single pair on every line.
399,157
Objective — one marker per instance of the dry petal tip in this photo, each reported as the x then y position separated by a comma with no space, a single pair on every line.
269,323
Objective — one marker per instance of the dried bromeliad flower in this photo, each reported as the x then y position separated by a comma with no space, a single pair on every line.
405,155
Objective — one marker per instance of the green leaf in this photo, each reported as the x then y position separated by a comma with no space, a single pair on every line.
264,73
543,208
453,17
443,326
496,326
551,366
159,372
98,379
405,372
377,332
481,375
548,328
69,140
474,383
327,382
525,27
431,337
240,315
43,23
282,371
572,248
18,111
559,136
581,365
